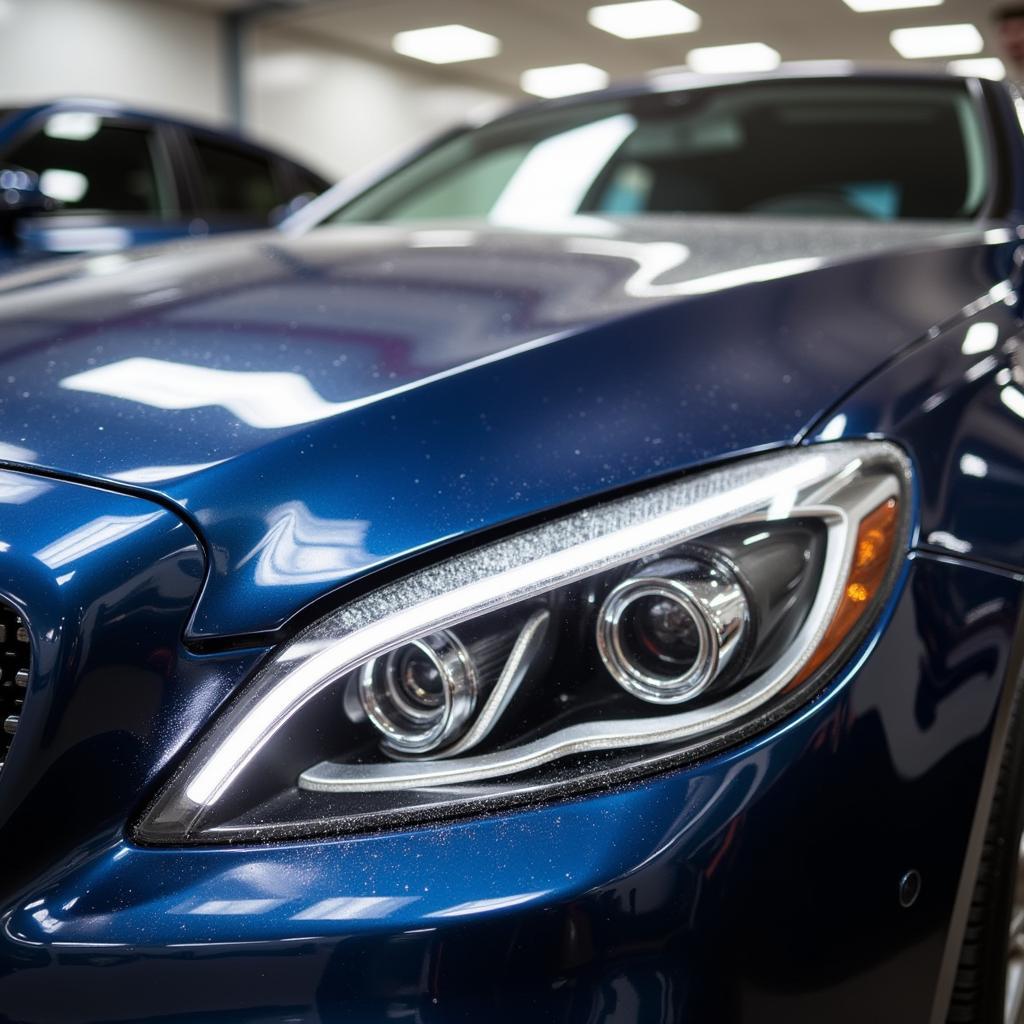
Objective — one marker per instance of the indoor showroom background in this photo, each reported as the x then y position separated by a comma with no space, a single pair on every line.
322,81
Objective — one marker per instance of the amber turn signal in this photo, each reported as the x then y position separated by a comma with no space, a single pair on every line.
872,555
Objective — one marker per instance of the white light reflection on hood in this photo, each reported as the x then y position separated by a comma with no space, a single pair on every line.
300,547
655,259
262,399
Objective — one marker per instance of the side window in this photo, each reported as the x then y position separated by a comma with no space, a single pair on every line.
308,182
93,164
236,181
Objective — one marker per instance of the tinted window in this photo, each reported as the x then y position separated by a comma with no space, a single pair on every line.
236,181
94,164
308,182
879,150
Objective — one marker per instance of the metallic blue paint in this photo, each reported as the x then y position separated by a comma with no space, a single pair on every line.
106,582
960,413
662,901
430,388
357,395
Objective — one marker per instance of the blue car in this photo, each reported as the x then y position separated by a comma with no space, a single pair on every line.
94,176
575,575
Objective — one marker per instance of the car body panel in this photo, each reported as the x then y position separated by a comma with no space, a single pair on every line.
302,373
106,582
966,386
656,902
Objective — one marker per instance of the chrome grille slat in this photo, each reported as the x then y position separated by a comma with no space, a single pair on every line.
15,667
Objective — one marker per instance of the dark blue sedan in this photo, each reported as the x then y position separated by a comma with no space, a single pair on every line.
576,575
107,177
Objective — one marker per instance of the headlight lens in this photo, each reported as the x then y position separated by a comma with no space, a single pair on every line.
670,630
421,696
618,639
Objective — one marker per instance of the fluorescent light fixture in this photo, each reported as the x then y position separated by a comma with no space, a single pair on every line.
867,6
737,57
562,80
936,41
446,44
643,19
979,67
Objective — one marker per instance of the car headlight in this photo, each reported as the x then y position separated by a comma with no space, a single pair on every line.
615,640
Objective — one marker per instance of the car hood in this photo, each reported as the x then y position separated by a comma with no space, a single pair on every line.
327,405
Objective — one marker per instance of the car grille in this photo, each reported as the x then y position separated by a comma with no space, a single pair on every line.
15,663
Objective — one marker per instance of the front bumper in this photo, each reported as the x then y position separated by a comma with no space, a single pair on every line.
761,885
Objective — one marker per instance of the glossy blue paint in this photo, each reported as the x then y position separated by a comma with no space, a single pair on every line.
957,404
106,582
329,405
215,439
658,902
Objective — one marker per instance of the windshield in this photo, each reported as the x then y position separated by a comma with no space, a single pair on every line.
878,150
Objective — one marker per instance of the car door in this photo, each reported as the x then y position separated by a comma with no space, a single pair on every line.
111,175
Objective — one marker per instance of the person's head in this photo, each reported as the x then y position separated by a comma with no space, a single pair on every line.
1010,22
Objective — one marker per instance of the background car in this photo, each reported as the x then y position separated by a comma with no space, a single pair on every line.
117,177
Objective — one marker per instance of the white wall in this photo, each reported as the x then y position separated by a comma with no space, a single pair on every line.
340,111
337,111
139,51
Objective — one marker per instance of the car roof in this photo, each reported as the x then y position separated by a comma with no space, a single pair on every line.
680,79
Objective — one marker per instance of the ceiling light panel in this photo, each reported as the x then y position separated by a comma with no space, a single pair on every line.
870,6
562,80
979,67
936,41
736,57
643,19
446,44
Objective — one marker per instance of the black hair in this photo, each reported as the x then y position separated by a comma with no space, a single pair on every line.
1009,12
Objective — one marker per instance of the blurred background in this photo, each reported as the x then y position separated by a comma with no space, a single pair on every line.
337,84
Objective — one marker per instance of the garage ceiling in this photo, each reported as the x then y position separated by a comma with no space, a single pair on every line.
542,32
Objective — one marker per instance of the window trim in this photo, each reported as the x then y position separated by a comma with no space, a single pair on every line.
160,153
